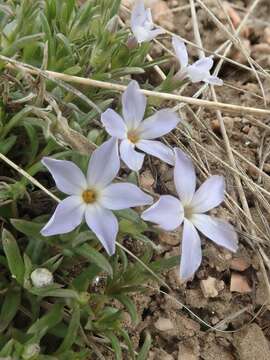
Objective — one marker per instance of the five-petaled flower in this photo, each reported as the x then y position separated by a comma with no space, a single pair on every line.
169,213
199,71
92,197
134,132
142,24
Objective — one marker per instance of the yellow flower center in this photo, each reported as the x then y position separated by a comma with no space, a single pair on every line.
133,136
89,196
188,212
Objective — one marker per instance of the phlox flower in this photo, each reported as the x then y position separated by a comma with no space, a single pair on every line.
92,197
142,24
169,213
134,132
199,71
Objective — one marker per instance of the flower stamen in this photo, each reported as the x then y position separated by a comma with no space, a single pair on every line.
89,196
188,211
133,136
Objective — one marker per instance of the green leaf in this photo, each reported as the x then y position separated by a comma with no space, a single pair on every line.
131,228
72,331
20,43
130,215
131,308
53,263
28,266
126,337
14,121
28,228
52,318
50,9
110,319
115,345
34,141
95,257
9,307
55,291
32,230
143,354
164,264
130,222
15,261
7,144
7,349
85,278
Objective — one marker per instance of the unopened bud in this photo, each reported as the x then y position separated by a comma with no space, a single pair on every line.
132,43
41,277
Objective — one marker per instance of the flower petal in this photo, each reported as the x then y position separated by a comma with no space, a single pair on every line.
157,149
114,124
191,254
219,231
199,71
167,212
184,176
104,224
68,176
180,51
123,196
214,80
134,104
138,15
149,35
131,158
104,164
148,18
159,124
67,216
205,64
209,195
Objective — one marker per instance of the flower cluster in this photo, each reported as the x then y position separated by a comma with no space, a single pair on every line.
95,197
142,28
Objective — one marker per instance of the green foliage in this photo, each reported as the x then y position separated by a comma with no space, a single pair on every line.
43,117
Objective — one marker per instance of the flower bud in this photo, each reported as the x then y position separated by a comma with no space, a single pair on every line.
84,298
132,43
41,277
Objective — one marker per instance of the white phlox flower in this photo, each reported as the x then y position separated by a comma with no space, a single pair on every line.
142,24
92,197
199,71
134,132
169,213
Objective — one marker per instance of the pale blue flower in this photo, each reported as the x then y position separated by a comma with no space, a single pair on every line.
92,197
134,132
169,213
199,71
142,24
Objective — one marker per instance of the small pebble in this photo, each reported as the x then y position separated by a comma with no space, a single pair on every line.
164,324
239,283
